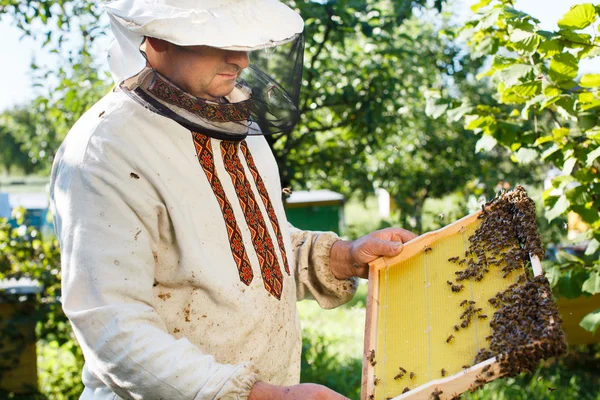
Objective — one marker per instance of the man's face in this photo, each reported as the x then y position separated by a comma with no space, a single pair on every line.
203,71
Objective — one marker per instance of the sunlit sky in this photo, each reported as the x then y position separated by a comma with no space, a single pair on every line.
17,52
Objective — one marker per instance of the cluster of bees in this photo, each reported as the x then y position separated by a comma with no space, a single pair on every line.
526,326
508,235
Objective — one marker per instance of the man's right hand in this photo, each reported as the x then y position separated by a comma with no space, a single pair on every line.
303,391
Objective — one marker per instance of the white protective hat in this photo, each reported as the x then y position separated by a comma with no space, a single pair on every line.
228,24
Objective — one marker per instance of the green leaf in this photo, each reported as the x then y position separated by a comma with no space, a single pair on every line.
560,133
524,41
592,247
567,104
549,102
435,107
569,165
592,156
560,207
585,97
565,258
552,272
526,156
528,89
513,74
457,113
590,81
489,19
501,62
563,67
550,151
570,284
592,285
550,48
481,4
543,139
589,106
575,40
486,143
578,17
552,91
591,322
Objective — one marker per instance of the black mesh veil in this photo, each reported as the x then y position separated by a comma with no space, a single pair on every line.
263,102
275,76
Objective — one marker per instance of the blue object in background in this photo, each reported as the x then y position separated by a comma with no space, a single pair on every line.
5,208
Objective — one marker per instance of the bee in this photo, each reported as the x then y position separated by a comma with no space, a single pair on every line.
371,358
376,381
427,249
406,389
486,368
466,366
413,375
443,372
482,316
435,395
457,288
287,191
399,376
463,303
402,369
449,339
449,283
456,328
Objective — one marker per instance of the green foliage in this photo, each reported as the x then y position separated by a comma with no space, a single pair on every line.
319,365
554,382
542,113
364,100
59,369
25,253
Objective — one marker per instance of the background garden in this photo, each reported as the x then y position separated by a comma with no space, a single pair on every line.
397,95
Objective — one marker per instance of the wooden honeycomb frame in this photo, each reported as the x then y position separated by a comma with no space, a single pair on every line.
448,386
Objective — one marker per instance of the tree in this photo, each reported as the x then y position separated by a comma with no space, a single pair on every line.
363,104
543,113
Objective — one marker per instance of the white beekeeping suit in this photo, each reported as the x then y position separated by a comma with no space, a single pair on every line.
180,271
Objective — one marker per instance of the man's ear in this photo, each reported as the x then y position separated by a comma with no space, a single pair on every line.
158,45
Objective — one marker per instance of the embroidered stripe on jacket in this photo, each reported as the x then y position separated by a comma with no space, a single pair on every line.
262,190
265,250
206,158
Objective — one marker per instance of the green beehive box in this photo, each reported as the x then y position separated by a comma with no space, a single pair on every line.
319,210
18,366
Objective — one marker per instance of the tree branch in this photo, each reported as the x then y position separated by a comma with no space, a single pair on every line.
311,75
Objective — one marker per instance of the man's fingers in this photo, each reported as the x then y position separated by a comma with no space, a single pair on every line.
380,247
396,234
403,235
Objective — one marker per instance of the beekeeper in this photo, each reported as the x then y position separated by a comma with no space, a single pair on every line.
180,270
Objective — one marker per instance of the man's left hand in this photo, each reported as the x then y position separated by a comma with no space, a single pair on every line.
350,259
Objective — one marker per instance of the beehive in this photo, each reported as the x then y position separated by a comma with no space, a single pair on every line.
416,340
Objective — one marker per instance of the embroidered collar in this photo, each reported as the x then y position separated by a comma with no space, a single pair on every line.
210,111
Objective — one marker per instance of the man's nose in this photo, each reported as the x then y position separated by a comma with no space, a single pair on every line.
239,58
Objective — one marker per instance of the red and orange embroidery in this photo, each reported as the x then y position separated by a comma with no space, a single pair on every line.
262,190
265,250
211,112
206,158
